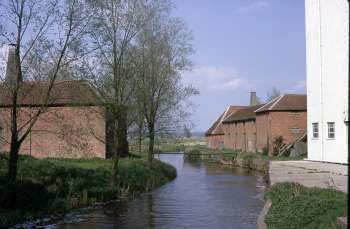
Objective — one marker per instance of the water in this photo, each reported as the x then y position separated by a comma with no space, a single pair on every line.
202,196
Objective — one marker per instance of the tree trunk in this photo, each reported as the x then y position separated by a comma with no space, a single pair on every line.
114,175
151,144
122,132
140,140
110,132
12,165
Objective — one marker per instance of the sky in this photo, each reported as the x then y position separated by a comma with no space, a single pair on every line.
242,46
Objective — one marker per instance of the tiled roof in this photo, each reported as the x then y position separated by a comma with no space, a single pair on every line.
286,102
216,127
245,114
64,92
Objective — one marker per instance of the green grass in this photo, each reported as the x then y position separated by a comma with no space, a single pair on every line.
57,185
296,206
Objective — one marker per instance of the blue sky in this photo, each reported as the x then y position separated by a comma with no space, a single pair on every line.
242,46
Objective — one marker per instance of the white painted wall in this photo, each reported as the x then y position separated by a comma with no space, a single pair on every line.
327,24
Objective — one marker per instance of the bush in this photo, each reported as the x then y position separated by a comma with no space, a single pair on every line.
193,155
23,195
296,206
277,145
265,151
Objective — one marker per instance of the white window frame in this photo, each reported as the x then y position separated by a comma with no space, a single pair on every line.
331,130
315,134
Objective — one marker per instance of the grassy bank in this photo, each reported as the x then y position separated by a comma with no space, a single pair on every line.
57,185
296,206
230,153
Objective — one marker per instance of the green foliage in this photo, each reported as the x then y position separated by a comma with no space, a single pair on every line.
23,195
193,155
56,185
265,151
277,144
296,206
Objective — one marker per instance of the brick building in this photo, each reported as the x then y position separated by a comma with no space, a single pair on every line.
215,134
72,125
283,116
240,129
255,127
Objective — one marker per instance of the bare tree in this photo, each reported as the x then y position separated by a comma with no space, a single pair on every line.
45,34
112,33
163,53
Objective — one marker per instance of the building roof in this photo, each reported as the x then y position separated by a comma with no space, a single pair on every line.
216,127
64,92
245,114
285,102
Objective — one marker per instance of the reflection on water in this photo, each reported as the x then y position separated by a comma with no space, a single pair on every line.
202,196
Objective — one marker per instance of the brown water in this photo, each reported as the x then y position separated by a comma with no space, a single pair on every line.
202,196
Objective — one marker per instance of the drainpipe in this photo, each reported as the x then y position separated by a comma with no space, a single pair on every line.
348,93
321,86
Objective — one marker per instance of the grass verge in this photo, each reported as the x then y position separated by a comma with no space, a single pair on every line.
230,154
296,206
57,185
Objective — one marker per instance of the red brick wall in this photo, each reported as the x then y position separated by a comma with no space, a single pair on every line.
240,136
228,137
215,141
263,130
69,132
289,125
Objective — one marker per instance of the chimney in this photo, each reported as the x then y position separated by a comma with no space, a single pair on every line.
253,99
12,66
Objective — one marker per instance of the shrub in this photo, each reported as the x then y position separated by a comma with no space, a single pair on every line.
296,206
265,151
277,145
193,155
24,195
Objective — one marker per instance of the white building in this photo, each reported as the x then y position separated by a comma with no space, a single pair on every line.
327,48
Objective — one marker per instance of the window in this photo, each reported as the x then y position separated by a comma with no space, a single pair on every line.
331,130
315,130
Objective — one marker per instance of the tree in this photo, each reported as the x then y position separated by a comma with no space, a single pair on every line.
163,50
46,34
275,92
115,25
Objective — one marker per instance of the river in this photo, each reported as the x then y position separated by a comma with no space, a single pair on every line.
202,196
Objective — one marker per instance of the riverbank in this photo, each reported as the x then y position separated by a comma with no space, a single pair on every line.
299,194
48,186
253,161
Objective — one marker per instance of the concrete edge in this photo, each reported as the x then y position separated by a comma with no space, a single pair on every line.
261,218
